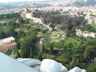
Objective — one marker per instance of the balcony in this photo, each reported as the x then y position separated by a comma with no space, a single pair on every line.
8,64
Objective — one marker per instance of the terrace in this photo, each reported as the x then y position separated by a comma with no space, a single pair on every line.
8,64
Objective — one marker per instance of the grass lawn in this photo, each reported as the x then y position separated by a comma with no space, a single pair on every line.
22,29
4,21
56,36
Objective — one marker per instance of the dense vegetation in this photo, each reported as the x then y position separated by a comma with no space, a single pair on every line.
66,22
74,50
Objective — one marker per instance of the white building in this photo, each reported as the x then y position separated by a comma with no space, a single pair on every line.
85,33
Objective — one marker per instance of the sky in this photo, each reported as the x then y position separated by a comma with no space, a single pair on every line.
21,0
25,0
17,0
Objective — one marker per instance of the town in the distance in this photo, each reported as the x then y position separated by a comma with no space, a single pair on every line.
58,32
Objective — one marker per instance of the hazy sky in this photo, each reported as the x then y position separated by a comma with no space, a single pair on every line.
11,0
17,0
26,0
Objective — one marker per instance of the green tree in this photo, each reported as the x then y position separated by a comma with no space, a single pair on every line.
42,50
90,50
91,68
51,48
2,34
11,32
28,48
72,53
